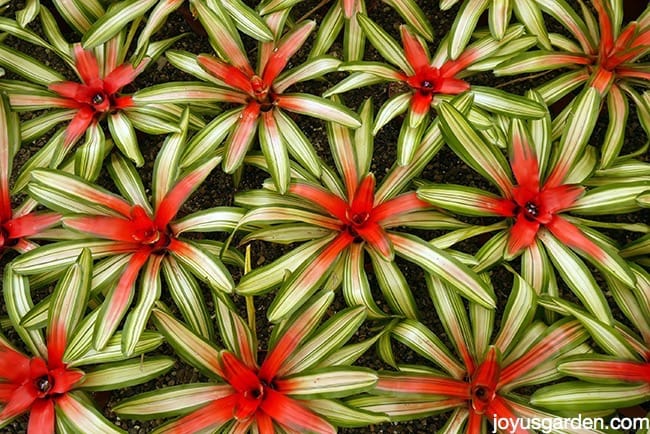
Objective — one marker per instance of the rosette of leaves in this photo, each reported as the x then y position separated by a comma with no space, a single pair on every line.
17,226
295,387
602,55
479,377
137,239
620,378
259,94
343,14
431,80
82,104
52,385
549,187
341,219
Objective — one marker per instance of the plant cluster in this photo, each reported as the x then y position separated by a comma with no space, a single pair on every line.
391,298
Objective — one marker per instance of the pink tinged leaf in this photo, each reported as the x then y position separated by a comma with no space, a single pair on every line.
522,234
6,390
42,101
177,196
413,49
633,73
120,77
14,366
21,400
289,413
363,200
86,64
41,417
502,207
602,80
624,39
240,376
605,25
474,423
402,204
333,204
30,224
122,102
573,237
376,237
80,93
499,409
65,379
559,198
227,73
420,104
452,86
287,48
78,125
424,384
547,348
56,343
524,162
205,419
111,228
241,137
119,299
452,67
264,423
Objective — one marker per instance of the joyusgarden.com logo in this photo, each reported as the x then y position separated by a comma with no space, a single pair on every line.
554,424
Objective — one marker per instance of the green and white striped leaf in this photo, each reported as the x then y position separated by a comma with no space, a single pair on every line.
615,198
385,44
356,289
204,265
577,276
77,412
313,68
185,92
471,147
28,67
413,16
123,133
262,279
68,303
114,20
88,159
330,337
464,25
392,108
193,349
35,128
18,302
80,351
606,336
505,103
343,415
393,286
577,396
128,181
126,374
320,108
458,199
248,21
333,382
171,401
443,265
297,143
206,141
420,339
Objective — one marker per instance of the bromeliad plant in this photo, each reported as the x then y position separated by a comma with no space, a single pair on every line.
481,386
259,93
52,384
604,56
295,388
139,240
81,104
618,379
345,218
548,184
431,80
